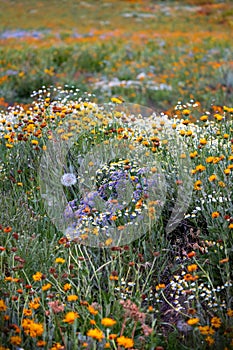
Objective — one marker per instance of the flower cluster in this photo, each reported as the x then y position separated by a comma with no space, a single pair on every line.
121,192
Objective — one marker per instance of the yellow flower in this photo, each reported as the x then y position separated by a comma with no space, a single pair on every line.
41,343
206,330
46,286
145,143
9,145
15,340
30,128
113,278
183,156
230,226
36,330
200,167
72,297
189,277
216,160
197,185
108,322
225,108
66,287
160,286
203,141
3,306
193,154
126,342
209,159
216,322
209,340
27,312
227,171
193,321
192,268
150,308
95,334
230,312
112,336
186,111
189,133
57,346
116,100
70,317
212,177
34,304
215,214
34,142
109,240
203,118
60,261
49,71
37,276
218,117
8,279
31,328
92,310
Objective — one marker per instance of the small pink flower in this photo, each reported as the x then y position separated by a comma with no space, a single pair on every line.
56,306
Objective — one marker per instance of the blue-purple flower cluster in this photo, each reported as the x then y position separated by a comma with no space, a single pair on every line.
119,198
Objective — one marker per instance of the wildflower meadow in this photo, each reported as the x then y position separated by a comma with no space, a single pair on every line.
116,167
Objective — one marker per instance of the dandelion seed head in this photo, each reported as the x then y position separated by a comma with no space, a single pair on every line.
68,179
